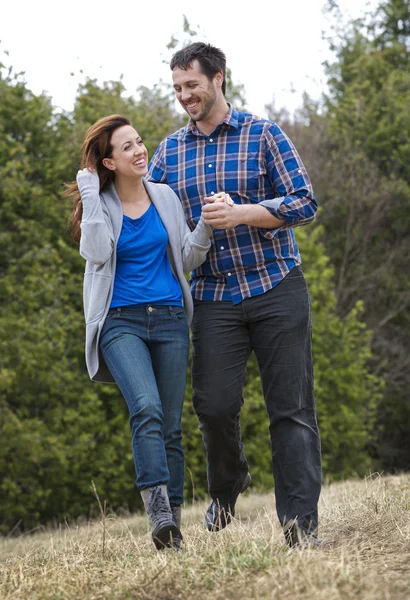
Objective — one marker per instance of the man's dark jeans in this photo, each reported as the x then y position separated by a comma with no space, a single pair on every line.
277,327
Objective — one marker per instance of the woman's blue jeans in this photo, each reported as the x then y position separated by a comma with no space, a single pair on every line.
146,349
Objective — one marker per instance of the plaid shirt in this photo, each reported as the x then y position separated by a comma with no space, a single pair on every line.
256,163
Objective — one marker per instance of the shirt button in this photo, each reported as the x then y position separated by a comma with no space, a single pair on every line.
299,170
229,274
212,193
211,140
222,247
209,165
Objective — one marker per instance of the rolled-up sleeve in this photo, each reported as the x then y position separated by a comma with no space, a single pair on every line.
295,203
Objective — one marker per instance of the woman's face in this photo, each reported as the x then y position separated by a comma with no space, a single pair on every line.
129,155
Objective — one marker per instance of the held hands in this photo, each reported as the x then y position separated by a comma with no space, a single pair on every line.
220,211
219,197
88,181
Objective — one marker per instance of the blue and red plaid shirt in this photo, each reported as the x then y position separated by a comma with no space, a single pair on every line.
256,163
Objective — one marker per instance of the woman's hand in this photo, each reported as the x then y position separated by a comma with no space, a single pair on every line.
220,197
88,181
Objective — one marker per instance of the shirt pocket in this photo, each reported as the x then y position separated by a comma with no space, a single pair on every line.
246,180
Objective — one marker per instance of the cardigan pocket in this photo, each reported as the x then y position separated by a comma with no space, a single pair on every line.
95,294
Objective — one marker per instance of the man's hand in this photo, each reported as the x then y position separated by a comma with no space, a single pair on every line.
221,214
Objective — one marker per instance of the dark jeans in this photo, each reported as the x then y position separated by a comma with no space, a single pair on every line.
146,350
277,327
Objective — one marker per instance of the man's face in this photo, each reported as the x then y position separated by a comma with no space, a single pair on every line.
194,91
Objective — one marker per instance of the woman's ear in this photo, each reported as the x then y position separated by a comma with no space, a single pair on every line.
108,164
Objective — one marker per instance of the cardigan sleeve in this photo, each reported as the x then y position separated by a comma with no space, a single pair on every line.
194,244
97,237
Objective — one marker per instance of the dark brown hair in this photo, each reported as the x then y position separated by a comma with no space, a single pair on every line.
96,147
211,60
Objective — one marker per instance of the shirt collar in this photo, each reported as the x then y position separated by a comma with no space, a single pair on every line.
231,119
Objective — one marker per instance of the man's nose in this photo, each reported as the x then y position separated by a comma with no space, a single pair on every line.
185,95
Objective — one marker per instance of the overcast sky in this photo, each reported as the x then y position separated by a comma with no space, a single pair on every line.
274,48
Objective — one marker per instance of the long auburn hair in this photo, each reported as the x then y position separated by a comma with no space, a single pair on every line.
96,147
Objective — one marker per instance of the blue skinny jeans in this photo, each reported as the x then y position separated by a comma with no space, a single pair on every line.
146,349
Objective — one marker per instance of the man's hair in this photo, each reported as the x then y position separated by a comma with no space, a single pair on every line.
211,60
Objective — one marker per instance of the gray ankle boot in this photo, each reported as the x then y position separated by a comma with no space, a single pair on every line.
176,516
159,513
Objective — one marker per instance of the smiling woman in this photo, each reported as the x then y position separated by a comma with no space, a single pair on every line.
137,304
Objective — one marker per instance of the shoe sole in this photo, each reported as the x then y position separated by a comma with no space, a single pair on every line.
163,536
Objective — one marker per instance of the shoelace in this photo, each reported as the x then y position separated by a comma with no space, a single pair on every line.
158,503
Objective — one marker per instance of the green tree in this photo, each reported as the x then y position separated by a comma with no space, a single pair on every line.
365,194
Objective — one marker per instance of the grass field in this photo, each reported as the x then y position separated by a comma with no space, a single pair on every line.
365,526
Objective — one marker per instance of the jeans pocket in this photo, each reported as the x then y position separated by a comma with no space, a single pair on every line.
112,314
178,314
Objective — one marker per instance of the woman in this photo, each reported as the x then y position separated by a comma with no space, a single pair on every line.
137,304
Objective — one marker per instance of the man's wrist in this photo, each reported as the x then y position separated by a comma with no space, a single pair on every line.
255,215
243,214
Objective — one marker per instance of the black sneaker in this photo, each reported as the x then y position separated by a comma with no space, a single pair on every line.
298,538
219,515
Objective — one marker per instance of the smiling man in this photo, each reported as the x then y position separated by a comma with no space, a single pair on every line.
250,294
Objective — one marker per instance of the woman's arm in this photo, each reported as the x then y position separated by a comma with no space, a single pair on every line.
194,244
97,238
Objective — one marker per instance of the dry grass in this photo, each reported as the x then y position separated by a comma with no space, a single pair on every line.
365,524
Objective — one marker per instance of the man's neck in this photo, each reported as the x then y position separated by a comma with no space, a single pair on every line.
215,118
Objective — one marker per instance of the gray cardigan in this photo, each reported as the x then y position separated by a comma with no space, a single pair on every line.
100,229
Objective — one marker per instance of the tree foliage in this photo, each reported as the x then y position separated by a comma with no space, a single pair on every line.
365,157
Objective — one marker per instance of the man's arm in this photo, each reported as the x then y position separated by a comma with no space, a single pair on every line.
156,168
296,203
224,216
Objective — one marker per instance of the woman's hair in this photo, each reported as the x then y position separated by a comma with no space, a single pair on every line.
96,147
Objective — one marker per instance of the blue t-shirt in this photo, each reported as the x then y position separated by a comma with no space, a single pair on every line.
143,272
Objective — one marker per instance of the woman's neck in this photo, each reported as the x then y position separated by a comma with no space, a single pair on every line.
134,197
130,191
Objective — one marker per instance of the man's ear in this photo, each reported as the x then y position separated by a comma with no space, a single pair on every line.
219,79
108,164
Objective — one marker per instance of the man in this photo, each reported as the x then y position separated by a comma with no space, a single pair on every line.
250,294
